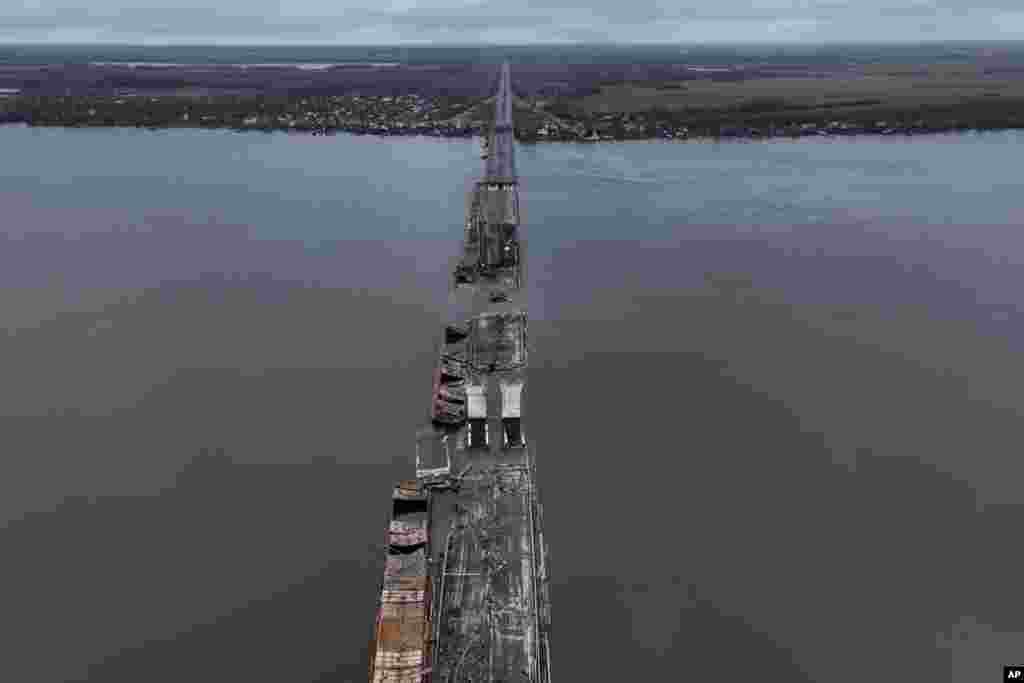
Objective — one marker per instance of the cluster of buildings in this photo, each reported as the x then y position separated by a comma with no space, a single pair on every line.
390,115
409,114
623,127
381,115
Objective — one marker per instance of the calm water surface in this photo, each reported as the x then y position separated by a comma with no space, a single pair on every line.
775,391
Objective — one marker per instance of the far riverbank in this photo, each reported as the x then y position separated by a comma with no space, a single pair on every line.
414,115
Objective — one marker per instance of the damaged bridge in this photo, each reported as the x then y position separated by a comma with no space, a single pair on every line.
464,597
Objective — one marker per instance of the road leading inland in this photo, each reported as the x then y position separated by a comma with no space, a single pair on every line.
501,162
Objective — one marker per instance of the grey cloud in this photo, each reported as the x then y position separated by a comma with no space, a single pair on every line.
578,20
206,21
586,35
257,18
73,17
461,21
551,13
608,18
914,11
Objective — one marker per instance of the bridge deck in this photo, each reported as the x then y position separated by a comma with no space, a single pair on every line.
485,567
481,597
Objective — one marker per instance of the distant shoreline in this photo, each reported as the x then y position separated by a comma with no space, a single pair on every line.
407,116
443,134
597,102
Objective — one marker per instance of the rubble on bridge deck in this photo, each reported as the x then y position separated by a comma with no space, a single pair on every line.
465,593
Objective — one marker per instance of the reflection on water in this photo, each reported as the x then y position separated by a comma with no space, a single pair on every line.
803,359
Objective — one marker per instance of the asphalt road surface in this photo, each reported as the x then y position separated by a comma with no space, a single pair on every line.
501,163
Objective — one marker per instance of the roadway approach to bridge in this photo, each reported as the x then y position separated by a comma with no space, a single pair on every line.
464,596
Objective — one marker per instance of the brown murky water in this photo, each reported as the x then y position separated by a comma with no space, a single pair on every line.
774,395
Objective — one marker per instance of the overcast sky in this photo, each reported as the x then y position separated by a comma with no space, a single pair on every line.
509,21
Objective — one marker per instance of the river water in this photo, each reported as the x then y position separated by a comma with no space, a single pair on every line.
775,392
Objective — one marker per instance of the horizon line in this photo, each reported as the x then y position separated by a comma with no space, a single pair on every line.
435,44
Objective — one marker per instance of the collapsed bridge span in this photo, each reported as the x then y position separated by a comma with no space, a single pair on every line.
465,592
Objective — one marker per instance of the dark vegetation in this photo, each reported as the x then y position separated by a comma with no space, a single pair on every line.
564,93
104,80
319,113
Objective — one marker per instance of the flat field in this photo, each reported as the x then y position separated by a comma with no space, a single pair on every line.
877,90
